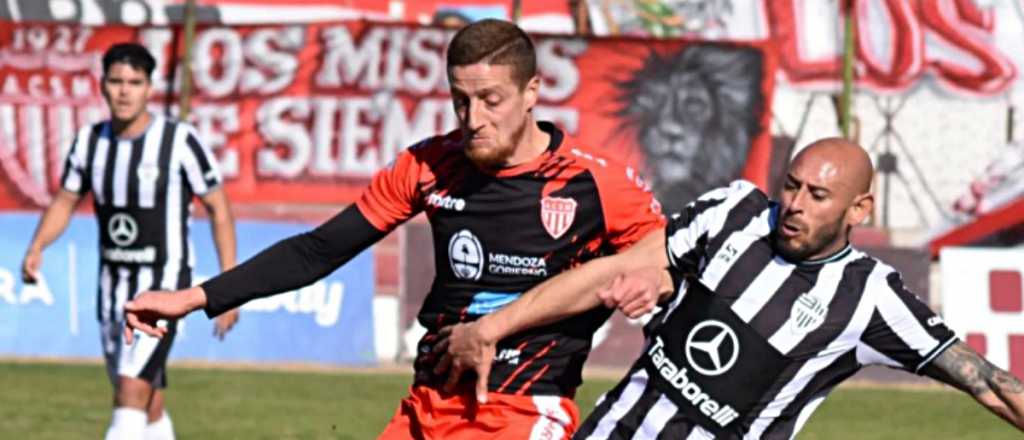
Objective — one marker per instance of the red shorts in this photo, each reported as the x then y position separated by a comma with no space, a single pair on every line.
429,414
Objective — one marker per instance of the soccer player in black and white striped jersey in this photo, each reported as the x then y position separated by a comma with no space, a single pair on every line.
764,308
143,171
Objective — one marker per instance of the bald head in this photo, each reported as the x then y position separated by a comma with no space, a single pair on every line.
827,191
840,161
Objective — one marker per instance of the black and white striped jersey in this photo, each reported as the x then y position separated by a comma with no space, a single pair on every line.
142,193
751,344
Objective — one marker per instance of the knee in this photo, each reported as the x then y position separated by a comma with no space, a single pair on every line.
133,393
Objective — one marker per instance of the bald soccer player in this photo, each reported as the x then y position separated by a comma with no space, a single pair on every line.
765,308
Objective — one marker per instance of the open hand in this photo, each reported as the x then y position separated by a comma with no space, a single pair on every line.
148,308
223,323
463,347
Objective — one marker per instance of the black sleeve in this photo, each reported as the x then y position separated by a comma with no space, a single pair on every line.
293,262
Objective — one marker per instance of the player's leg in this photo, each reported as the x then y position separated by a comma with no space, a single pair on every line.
126,422
160,426
141,371
130,401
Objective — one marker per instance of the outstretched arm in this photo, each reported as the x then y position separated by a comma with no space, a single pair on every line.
287,265
581,289
994,388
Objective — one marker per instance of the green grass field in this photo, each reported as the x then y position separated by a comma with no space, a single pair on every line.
57,401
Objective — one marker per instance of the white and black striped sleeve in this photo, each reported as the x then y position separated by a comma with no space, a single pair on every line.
689,230
74,178
902,332
199,164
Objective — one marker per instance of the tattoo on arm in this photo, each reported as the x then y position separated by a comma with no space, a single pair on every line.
1007,382
962,367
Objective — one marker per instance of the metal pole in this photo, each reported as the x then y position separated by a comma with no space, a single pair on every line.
1009,123
848,60
517,10
580,16
185,94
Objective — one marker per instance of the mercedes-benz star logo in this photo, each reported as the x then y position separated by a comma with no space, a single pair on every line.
122,229
718,346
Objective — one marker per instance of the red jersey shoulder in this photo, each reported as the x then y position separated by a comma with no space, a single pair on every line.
424,162
397,192
604,169
436,148
629,208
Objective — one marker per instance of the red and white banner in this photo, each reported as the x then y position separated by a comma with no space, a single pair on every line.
307,113
983,301
534,16
970,47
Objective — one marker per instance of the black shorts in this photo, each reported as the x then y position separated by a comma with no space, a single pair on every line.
145,359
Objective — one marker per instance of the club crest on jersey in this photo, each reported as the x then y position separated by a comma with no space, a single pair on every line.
807,314
466,255
557,214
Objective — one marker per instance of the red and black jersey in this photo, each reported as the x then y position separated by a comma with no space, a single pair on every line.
498,234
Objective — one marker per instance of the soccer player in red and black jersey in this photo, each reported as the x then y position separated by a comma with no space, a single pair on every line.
511,202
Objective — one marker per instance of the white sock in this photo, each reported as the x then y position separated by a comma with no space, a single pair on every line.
161,429
127,424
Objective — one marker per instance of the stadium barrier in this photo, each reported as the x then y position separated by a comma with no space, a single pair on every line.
330,321
983,301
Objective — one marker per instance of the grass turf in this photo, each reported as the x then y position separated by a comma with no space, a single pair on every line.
70,401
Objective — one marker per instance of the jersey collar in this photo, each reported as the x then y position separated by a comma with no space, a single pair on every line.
839,255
